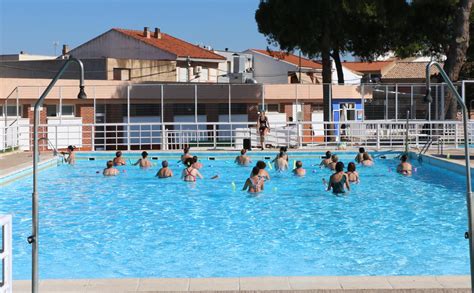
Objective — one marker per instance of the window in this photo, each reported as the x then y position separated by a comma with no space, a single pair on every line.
237,108
144,110
273,107
229,67
188,109
121,74
53,110
11,111
317,107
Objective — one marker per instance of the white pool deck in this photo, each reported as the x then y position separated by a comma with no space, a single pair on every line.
258,284
18,161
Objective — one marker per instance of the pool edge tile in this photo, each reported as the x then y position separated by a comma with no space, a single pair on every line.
264,283
214,284
163,284
364,282
414,282
316,282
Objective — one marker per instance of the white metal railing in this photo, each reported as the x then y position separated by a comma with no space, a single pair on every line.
168,136
6,254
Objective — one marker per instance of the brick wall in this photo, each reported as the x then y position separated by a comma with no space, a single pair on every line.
87,114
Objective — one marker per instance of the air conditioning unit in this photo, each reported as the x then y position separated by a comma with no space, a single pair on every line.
197,69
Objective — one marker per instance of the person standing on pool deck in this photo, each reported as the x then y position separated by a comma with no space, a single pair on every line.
263,127
189,173
352,174
196,164
243,159
164,172
334,161
338,181
143,161
367,160
360,156
254,183
281,163
404,167
110,170
186,154
299,171
71,156
118,160
262,173
325,162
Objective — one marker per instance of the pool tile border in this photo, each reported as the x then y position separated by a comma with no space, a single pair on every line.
26,171
333,284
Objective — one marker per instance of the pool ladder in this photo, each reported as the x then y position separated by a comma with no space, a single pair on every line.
50,144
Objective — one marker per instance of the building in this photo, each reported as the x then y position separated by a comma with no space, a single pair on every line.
276,67
129,55
238,67
371,71
193,63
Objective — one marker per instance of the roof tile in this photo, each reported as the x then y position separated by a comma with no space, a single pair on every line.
290,58
172,45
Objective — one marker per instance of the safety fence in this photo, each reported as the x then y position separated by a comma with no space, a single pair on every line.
170,136
6,254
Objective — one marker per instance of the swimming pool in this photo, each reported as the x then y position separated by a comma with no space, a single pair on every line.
136,225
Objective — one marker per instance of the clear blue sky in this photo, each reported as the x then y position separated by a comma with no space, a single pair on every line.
34,25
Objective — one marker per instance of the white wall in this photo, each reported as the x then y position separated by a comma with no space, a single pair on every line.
145,134
18,133
67,132
113,44
270,70
224,130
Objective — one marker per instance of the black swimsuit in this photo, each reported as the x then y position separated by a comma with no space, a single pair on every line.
263,124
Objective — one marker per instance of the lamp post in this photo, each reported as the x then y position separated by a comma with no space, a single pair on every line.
33,239
466,154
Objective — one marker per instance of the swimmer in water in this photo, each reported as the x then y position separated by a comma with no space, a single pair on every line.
254,183
334,161
281,163
360,156
118,160
404,167
186,154
243,159
299,171
338,181
110,170
164,172
71,156
262,173
352,174
196,164
367,160
325,162
283,150
143,161
189,173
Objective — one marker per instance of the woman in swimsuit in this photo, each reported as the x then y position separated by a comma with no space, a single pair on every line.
338,181
352,173
404,167
254,183
190,174
263,127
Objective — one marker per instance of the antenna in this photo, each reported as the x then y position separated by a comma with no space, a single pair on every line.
55,45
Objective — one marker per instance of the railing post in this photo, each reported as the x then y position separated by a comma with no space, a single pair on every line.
456,134
378,135
214,134
128,118
6,254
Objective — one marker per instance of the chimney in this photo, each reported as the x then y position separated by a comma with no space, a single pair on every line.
146,32
65,49
157,34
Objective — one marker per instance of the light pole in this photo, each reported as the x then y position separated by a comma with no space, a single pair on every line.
33,239
466,154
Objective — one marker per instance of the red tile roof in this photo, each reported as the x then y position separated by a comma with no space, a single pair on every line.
291,58
367,66
409,70
172,45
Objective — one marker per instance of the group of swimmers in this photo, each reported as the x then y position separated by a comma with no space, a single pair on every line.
339,182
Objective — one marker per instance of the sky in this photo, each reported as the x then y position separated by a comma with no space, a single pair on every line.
34,26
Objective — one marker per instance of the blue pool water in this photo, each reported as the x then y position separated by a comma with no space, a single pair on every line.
136,225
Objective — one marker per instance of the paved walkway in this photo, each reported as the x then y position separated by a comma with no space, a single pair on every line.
11,162
258,284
